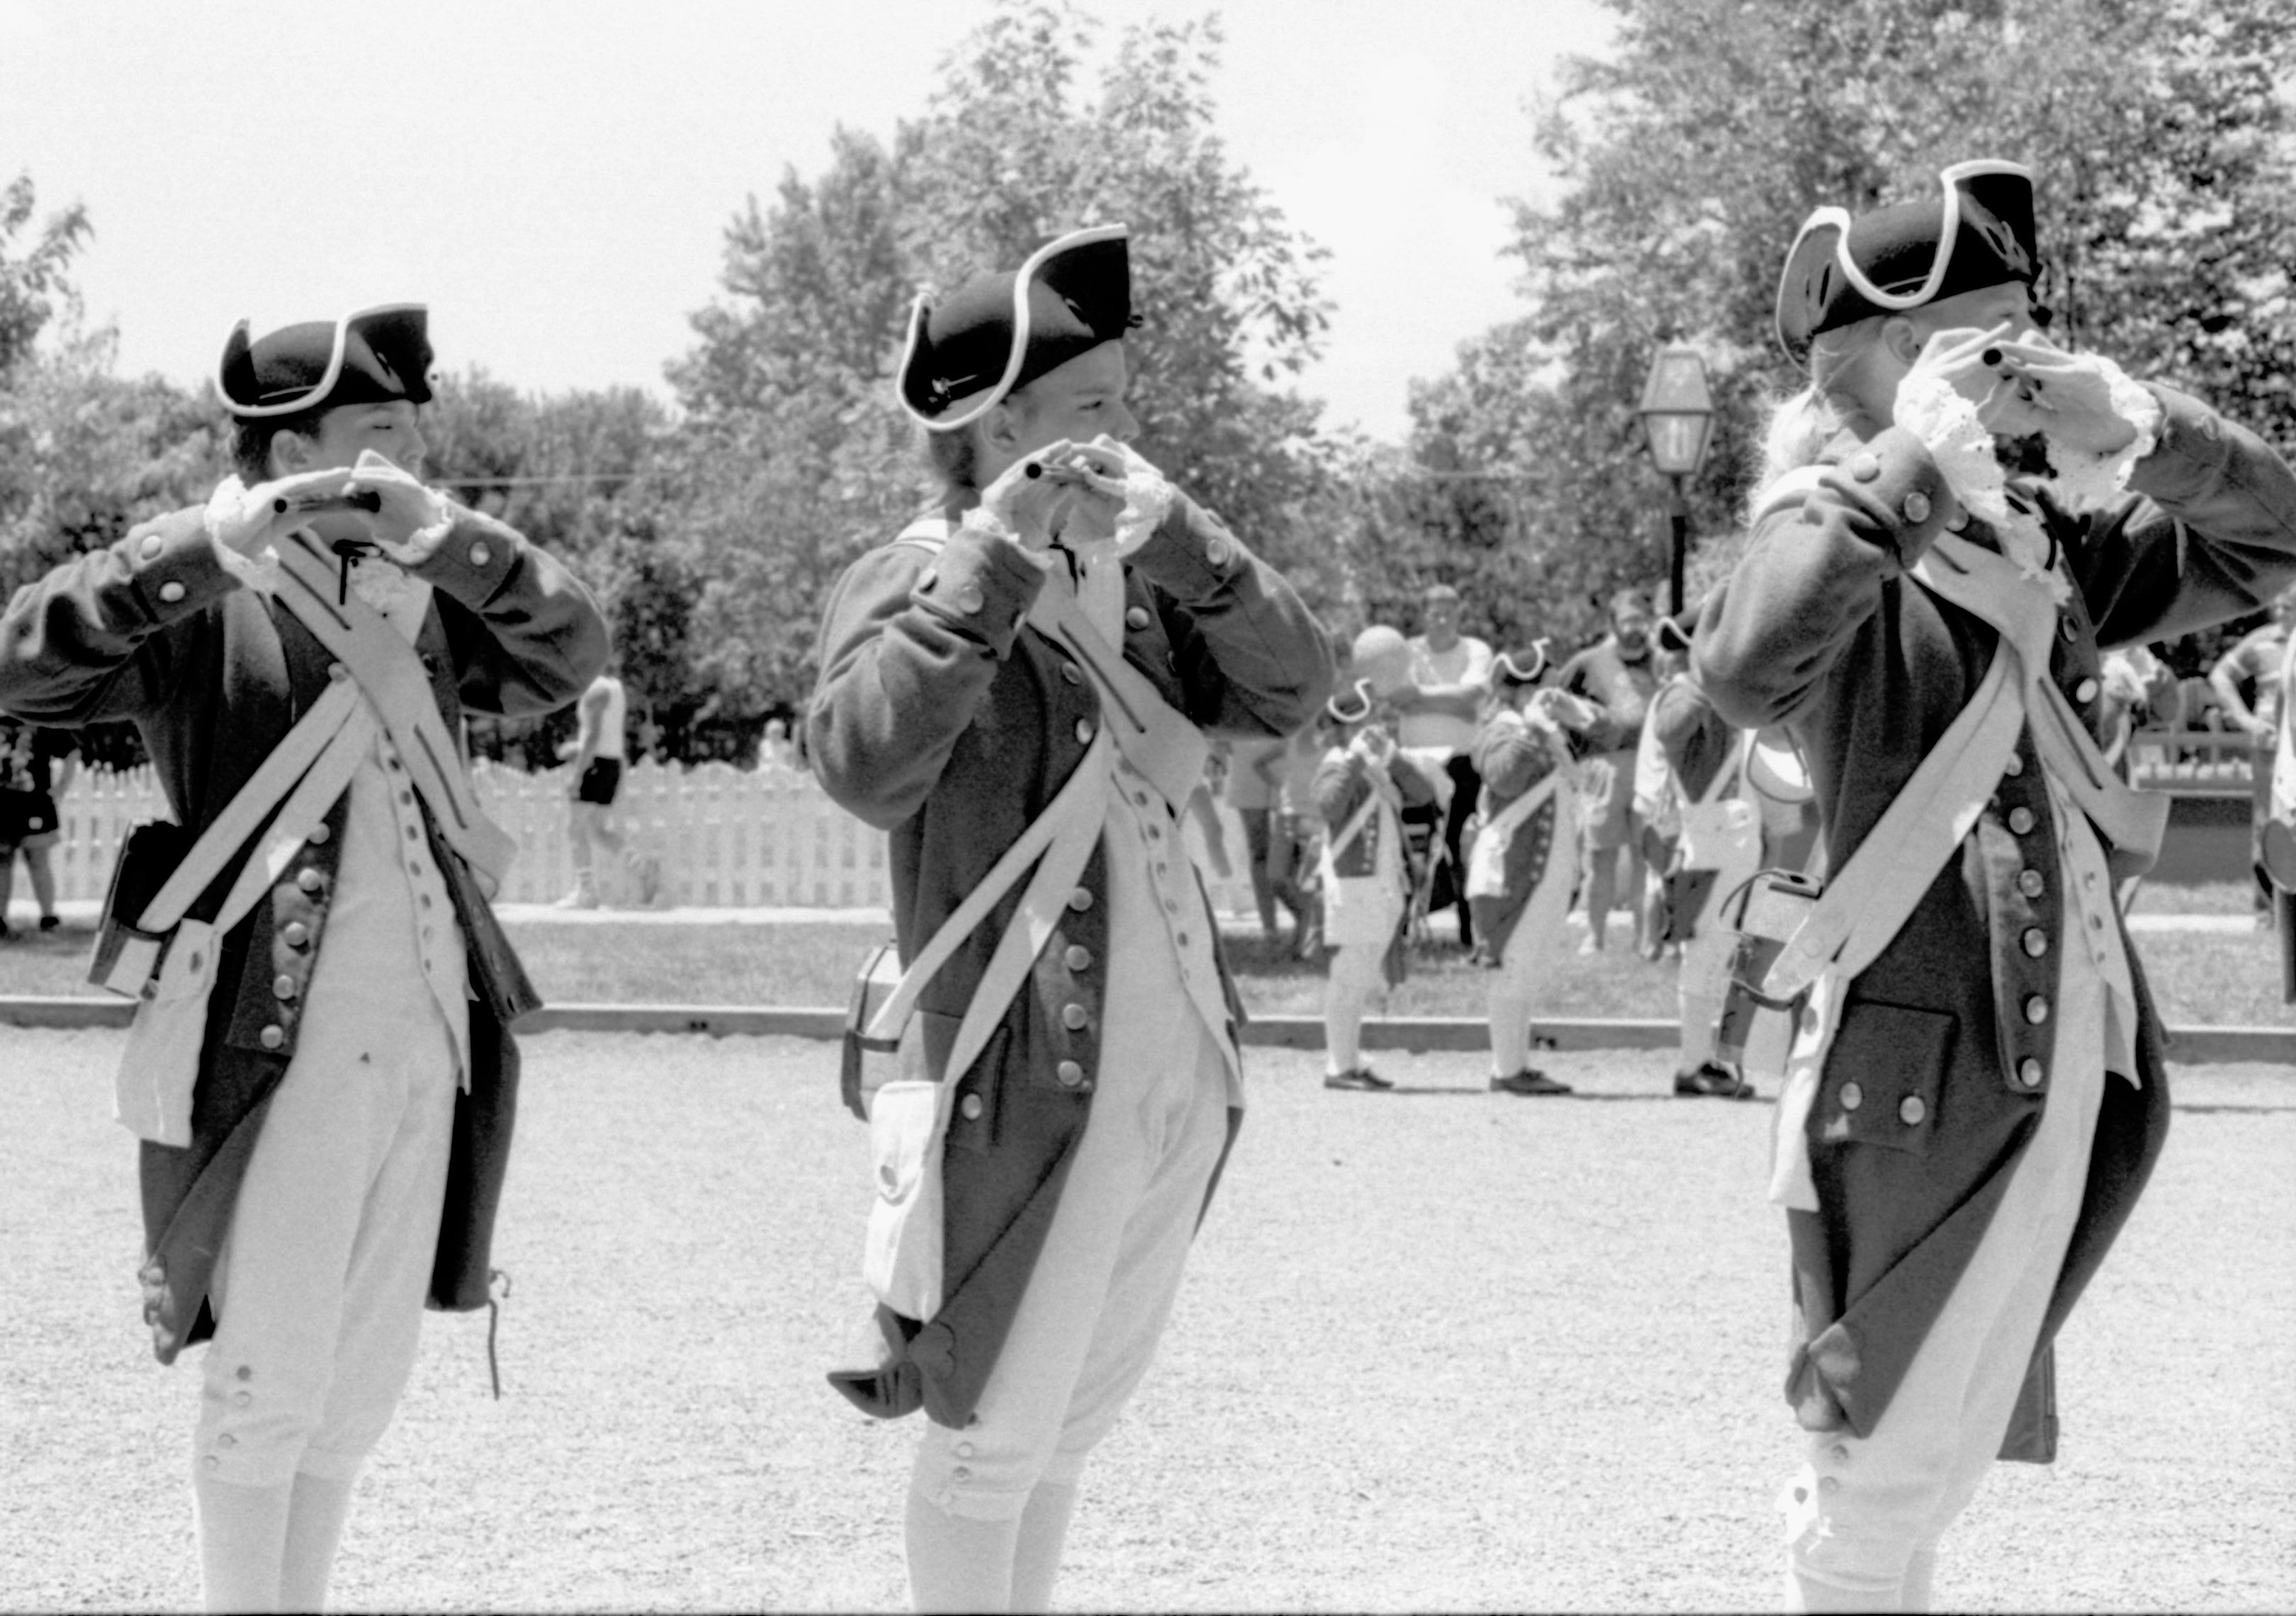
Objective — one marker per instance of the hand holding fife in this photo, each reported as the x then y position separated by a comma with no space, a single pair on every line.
410,520
1066,494
244,521
2024,384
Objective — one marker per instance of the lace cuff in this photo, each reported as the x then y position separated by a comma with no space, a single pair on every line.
2088,482
1946,423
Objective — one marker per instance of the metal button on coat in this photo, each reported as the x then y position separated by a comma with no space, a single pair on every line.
2066,630
2028,1072
1852,1096
271,1037
2086,690
2030,882
926,581
1069,1073
1911,1110
319,834
1958,522
480,554
970,600
282,986
2036,942
1069,672
152,546
296,933
1865,468
338,672
1216,552
1084,731
310,881
1080,899
2036,1009
2021,819
970,1106
2014,767
1078,957
1917,506
1136,617
171,592
1074,1016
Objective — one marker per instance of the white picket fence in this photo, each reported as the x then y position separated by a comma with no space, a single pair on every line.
726,838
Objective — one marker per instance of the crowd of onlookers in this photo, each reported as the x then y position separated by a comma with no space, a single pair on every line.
1656,804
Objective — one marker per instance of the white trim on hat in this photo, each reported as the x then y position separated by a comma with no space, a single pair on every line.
1948,233
1021,281
326,382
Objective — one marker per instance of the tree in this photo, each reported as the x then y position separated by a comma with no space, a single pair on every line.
2159,133
798,458
34,280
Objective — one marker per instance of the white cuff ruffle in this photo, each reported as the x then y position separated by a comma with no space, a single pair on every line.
1948,426
2089,482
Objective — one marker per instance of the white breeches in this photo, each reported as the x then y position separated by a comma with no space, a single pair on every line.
1109,1270
1509,992
319,1289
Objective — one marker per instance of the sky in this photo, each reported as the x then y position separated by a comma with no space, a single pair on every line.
554,179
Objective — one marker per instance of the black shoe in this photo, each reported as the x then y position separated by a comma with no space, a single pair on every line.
1712,1081
1363,1077
1530,1080
49,923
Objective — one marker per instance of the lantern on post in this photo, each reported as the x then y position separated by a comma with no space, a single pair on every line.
1677,413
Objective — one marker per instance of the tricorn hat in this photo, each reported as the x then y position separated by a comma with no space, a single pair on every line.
1977,232
374,355
1352,705
996,332
1507,668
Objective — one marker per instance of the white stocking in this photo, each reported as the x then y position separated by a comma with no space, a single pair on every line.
242,1538
315,1528
956,1562
1037,1556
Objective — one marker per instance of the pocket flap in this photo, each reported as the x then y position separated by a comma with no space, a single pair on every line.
903,1125
1884,1076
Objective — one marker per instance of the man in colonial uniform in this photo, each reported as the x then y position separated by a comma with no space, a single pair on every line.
1015,689
1976,1095
321,1069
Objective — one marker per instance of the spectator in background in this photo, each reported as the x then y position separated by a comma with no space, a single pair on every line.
1251,788
1436,728
1296,842
1619,676
2246,680
773,749
596,754
29,785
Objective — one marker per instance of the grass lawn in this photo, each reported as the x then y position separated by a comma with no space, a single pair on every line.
2199,978
1441,1349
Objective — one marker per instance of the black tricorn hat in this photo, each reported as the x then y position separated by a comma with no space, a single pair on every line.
1674,633
1353,705
996,332
374,355
1978,232
1507,668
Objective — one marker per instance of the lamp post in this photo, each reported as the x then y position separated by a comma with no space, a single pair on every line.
1677,412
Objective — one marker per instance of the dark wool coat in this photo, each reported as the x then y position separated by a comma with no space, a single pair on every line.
1512,757
1818,627
154,629
941,717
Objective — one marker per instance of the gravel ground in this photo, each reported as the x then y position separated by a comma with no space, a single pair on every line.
1442,1350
